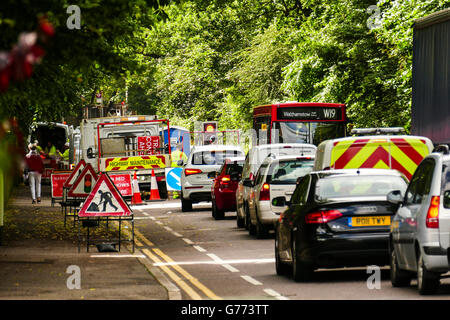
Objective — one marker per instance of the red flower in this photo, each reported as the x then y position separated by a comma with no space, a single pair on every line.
46,27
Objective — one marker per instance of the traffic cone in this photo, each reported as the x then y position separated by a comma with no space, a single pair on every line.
154,192
136,199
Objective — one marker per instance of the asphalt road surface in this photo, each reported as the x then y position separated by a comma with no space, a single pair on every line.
209,259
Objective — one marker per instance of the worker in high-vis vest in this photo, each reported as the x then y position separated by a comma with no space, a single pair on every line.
65,154
50,150
178,155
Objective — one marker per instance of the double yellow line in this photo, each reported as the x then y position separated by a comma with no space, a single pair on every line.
155,254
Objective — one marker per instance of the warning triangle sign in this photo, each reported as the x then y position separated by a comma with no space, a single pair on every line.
84,183
105,200
73,176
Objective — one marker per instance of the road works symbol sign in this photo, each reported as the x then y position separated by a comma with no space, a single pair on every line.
105,200
73,176
84,183
173,176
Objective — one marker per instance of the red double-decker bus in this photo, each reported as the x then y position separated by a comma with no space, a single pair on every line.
299,122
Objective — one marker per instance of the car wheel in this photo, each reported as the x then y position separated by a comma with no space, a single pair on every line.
280,267
301,272
399,278
186,205
247,218
217,214
240,221
427,282
261,230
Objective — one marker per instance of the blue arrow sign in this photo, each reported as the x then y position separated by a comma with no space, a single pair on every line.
173,176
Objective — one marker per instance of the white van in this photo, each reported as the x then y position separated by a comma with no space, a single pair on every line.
253,160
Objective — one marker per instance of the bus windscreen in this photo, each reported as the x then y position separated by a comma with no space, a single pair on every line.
306,132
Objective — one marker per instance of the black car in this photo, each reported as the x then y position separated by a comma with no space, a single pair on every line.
336,218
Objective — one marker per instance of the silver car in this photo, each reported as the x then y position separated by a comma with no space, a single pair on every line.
200,170
419,236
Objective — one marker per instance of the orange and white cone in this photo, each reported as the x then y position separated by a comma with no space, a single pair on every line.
154,192
136,192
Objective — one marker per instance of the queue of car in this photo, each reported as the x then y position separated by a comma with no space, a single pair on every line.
334,217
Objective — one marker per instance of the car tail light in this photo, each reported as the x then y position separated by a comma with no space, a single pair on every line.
188,172
264,194
432,220
224,181
323,216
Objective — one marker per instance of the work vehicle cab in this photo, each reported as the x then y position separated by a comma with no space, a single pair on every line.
200,170
57,135
381,148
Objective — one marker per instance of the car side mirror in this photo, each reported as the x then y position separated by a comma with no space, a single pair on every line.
280,202
180,163
395,197
447,199
248,183
212,175
235,176
90,153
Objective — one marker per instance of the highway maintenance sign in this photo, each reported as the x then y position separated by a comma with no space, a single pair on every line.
135,163
105,200
73,176
84,183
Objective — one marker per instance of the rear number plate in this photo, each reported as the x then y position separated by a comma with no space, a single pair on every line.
369,221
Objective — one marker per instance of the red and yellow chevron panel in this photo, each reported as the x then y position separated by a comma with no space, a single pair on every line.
402,154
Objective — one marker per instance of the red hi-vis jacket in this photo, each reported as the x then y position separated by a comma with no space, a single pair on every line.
34,162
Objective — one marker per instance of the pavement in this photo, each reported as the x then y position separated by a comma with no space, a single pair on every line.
40,260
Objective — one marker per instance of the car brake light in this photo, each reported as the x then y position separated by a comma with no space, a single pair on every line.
432,220
264,194
188,172
322,216
224,182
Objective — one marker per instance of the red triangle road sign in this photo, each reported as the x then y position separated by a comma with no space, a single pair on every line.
78,168
105,200
84,183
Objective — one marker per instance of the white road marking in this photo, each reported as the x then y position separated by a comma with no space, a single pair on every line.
223,263
188,241
168,229
176,234
251,280
275,294
199,248
117,256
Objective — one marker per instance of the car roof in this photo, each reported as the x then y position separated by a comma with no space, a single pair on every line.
360,171
280,145
235,159
290,156
213,147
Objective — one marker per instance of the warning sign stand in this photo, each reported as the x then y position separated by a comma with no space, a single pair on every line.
104,203
57,181
68,205
77,192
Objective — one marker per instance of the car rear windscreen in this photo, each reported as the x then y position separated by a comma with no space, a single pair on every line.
214,157
358,186
288,171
